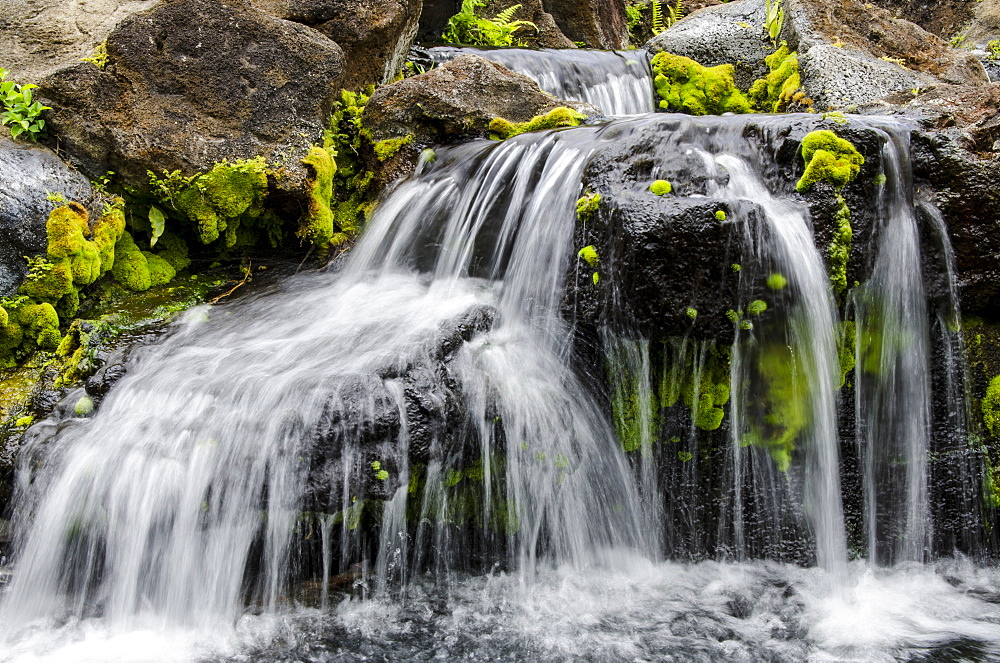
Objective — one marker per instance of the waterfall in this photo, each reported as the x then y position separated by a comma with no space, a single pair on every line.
617,82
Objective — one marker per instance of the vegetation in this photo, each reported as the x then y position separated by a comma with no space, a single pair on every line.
687,87
828,158
20,112
469,28
501,129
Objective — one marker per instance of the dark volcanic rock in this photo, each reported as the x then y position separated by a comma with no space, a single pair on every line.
375,34
183,94
597,23
27,174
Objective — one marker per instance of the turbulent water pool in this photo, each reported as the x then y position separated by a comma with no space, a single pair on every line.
634,610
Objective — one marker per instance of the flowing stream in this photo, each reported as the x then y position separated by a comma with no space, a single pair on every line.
403,459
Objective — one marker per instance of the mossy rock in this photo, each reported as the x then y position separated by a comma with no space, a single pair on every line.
684,86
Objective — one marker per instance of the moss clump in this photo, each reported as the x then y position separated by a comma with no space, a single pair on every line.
784,402
720,215
990,406
387,149
501,129
317,225
635,408
589,255
688,87
782,86
840,246
777,281
586,206
131,267
218,201
756,307
828,158
661,187
702,386
29,326
846,334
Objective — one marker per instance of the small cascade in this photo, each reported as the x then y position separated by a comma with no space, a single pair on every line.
617,82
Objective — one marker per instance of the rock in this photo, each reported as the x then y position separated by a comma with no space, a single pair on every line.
596,23
29,172
731,33
852,53
457,101
37,37
183,94
985,23
942,17
375,35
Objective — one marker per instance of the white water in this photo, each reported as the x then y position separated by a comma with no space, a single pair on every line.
617,82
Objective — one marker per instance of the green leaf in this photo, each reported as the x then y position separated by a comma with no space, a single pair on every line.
157,220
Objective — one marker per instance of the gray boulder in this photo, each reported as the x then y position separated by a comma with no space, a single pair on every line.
37,37
28,172
731,33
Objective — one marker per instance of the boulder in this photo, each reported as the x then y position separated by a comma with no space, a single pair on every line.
731,33
852,53
28,173
457,101
945,18
184,94
37,37
596,23
985,23
375,35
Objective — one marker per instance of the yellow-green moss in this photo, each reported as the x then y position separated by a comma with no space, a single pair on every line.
703,388
846,334
990,406
840,246
777,281
828,158
784,401
687,87
756,307
131,268
501,129
587,205
661,187
782,86
720,215
386,149
589,255
317,225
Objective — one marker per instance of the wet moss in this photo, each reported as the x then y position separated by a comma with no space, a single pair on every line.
589,255
828,158
990,406
318,223
782,86
131,267
687,87
587,205
501,129
784,404
386,149
661,187
840,247
703,387
846,335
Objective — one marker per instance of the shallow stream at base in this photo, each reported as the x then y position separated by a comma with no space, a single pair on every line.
631,610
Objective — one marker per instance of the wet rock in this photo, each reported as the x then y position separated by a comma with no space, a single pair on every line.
942,17
183,94
596,23
731,33
37,37
375,35
457,101
29,172
852,53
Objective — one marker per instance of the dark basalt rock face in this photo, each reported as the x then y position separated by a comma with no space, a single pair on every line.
662,255
28,173
183,94
375,35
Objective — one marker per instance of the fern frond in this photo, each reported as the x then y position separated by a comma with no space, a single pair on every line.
657,10
506,15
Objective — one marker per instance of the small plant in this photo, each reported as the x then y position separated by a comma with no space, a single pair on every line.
55,197
99,58
775,19
467,27
661,22
20,113
993,49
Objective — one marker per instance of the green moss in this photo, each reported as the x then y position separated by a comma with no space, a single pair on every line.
846,334
589,255
386,149
685,456
784,401
586,206
703,387
631,405
318,224
84,406
990,406
661,187
131,268
828,158
688,87
691,313
174,250
720,215
840,246
756,307
160,270
733,316
501,129
782,85
777,281
25,421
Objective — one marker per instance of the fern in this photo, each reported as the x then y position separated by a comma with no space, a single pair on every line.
657,10
467,27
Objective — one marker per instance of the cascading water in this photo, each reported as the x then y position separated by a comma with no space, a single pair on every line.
617,82
421,426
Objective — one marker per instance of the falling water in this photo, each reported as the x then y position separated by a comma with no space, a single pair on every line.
617,82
